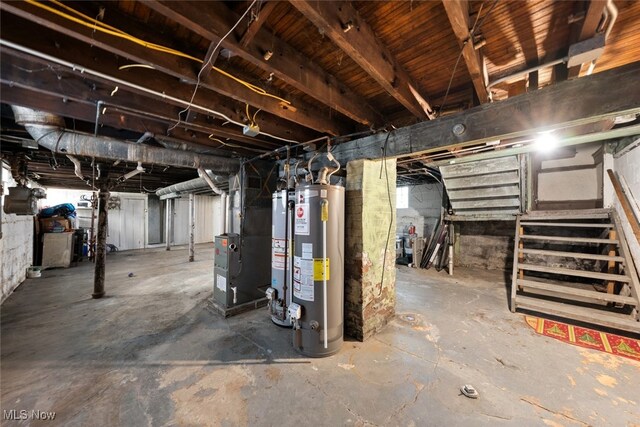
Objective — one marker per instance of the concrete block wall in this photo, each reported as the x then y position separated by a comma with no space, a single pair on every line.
16,251
369,297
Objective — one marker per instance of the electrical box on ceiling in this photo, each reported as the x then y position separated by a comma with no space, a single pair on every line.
586,51
251,130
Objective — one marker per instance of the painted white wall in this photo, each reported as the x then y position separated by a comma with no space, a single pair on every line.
207,219
627,167
425,202
127,227
16,245
580,184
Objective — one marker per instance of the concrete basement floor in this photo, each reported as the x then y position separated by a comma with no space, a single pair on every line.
153,353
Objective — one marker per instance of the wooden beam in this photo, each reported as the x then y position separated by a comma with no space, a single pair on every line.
458,14
71,50
177,67
570,103
257,23
68,85
592,15
342,23
212,20
78,109
210,58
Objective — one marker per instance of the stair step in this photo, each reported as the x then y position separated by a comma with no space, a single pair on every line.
571,254
574,214
566,224
576,273
584,314
561,290
570,239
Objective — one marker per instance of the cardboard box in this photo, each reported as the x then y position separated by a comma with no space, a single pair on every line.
54,224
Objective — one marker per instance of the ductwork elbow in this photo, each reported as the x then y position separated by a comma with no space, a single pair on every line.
207,178
39,125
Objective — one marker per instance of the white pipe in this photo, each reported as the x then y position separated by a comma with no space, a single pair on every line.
324,279
613,15
225,212
83,70
527,71
133,173
610,14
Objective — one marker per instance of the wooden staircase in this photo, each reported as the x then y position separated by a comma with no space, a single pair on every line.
576,265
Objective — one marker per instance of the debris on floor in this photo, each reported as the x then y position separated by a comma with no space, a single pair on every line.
469,391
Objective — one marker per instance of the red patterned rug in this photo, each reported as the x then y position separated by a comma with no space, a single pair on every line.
588,338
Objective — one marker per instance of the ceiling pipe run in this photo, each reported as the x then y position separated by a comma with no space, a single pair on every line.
191,186
49,131
194,185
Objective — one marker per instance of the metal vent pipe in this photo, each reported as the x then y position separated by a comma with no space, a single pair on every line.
196,184
49,131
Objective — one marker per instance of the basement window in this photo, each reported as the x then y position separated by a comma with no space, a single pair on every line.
402,197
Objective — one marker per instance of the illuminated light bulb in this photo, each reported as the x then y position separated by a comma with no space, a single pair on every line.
545,141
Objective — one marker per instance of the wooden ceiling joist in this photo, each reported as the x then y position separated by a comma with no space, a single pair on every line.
181,68
257,23
83,55
212,20
68,86
458,14
78,109
342,23
588,27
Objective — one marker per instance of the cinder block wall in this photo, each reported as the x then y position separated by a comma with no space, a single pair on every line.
370,298
16,251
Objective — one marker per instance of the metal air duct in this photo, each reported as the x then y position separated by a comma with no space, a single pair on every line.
193,185
49,131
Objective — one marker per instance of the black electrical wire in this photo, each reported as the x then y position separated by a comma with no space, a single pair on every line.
475,27
391,210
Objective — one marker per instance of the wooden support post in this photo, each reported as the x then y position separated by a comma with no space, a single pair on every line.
192,226
520,254
611,286
168,225
101,244
514,276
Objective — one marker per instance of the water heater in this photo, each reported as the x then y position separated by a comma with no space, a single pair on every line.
279,294
317,308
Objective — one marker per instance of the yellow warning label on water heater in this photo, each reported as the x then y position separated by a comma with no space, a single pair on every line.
318,269
324,210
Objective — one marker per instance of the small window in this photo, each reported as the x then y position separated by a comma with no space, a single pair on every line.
402,197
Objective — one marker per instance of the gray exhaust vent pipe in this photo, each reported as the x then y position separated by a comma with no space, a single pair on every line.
49,131
205,182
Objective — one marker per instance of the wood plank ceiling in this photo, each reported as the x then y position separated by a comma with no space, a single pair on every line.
299,70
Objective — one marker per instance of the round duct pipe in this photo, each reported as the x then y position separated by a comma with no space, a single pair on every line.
49,131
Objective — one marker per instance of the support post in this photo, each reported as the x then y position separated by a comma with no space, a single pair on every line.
168,223
192,226
101,244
